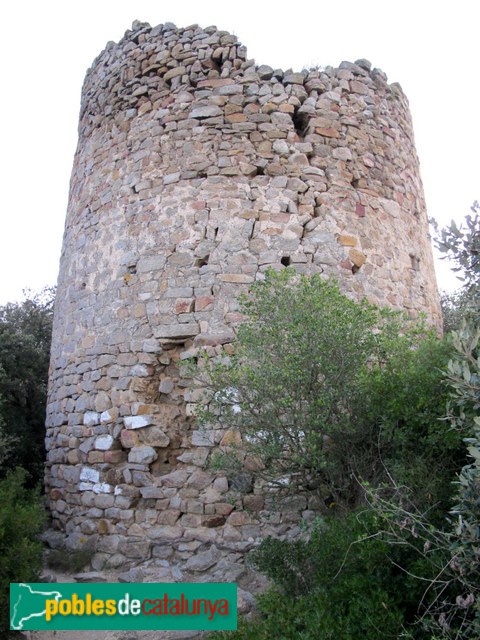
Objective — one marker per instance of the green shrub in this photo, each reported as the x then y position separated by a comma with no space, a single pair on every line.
325,391
68,562
457,308
339,585
450,603
316,617
447,552
21,520
25,334
293,381
407,397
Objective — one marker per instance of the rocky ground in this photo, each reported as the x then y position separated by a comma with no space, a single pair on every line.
146,573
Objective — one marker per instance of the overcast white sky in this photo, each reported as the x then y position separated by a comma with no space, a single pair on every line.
46,48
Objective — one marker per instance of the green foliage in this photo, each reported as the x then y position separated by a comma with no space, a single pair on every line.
451,600
21,520
338,585
25,333
422,569
325,391
293,381
25,330
323,616
321,387
68,562
464,379
446,561
6,444
462,246
457,309
407,395
334,547
463,376
465,545
460,617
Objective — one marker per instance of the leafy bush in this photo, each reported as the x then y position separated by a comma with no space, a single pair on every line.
25,334
463,615
398,570
450,603
461,245
338,585
457,309
407,397
21,520
70,561
293,381
324,390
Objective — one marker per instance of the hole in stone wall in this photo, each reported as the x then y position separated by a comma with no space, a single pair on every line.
132,268
355,268
260,171
286,261
202,262
210,63
355,183
165,462
300,122
415,262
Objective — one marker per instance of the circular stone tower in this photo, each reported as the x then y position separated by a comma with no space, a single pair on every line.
195,171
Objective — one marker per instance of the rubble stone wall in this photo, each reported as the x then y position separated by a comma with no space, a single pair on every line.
195,171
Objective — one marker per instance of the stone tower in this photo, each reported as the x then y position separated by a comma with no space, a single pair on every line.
195,171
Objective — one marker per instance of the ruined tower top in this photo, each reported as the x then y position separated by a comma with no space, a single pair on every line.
195,171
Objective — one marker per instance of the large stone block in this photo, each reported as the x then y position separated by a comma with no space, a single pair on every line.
142,455
137,422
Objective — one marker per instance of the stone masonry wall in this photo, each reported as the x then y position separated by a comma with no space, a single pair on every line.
195,171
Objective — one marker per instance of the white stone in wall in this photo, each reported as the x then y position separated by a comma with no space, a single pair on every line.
166,386
139,370
103,443
107,416
91,418
88,474
137,422
102,487
197,456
